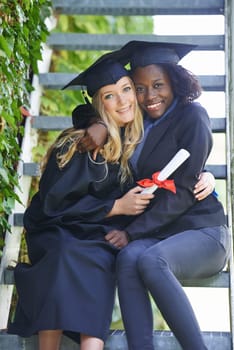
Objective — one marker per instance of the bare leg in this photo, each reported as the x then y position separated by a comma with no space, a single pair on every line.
50,339
90,343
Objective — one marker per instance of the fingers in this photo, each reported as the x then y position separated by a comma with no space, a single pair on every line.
204,186
206,180
136,189
202,191
110,234
141,201
201,186
138,211
95,153
203,194
131,203
117,238
139,189
85,145
140,207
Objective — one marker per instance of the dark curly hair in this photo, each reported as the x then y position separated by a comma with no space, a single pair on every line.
185,84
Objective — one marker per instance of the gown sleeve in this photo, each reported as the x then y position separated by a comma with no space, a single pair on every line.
76,190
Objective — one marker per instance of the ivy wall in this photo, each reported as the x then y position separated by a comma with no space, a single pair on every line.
22,31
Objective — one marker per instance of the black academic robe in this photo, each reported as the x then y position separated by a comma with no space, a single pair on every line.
82,193
188,127
70,283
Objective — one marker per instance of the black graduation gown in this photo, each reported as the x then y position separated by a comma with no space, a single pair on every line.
70,284
188,127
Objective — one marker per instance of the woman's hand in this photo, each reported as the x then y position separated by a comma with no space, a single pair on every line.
94,139
132,203
205,186
117,238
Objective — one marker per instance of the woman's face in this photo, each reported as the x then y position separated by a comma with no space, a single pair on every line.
153,90
119,100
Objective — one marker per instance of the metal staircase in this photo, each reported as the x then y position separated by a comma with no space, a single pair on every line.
223,124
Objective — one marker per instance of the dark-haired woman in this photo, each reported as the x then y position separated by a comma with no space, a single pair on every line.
177,237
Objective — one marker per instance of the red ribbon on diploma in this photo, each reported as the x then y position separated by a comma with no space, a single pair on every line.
167,184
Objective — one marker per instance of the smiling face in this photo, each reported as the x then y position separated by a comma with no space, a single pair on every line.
153,90
119,101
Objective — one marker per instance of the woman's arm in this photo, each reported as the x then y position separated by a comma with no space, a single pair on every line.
67,193
94,139
96,136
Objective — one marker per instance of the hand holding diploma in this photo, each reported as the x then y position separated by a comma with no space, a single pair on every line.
159,179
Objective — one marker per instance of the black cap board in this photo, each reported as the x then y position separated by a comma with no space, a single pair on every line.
103,72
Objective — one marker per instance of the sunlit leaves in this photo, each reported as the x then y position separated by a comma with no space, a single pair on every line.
22,31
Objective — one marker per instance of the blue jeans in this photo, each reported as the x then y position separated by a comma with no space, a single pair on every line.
155,266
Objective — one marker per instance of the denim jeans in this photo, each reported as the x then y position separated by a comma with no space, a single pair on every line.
156,266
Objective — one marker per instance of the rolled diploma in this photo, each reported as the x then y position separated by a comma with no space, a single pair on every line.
179,158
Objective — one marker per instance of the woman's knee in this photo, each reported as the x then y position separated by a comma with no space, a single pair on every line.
128,256
151,261
127,259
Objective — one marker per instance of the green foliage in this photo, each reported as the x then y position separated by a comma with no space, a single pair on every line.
22,31
158,321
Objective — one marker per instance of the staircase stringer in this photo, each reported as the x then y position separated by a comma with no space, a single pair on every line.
229,67
13,239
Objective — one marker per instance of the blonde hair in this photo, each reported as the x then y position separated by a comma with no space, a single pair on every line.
117,149
67,143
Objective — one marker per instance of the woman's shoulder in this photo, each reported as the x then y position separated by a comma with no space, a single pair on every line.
192,110
192,114
194,106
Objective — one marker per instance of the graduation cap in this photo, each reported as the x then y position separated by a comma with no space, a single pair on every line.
144,53
104,71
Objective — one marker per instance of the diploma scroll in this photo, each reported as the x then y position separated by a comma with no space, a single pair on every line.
178,159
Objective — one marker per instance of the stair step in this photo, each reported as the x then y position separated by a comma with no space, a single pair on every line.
218,124
117,341
56,123
33,169
219,171
57,81
221,280
83,41
138,7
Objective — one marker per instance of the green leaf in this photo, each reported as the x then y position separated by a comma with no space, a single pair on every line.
3,174
5,46
22,31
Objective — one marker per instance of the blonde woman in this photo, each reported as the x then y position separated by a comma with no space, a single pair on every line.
69,287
